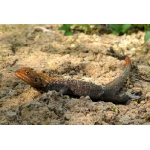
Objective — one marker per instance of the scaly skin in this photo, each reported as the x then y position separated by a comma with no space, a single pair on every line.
77,88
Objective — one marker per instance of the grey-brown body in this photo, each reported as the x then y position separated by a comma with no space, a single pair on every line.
78,88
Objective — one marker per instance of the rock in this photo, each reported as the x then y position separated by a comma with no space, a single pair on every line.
125,120
144,69
147,95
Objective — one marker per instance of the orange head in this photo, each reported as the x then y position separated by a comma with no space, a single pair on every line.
31,77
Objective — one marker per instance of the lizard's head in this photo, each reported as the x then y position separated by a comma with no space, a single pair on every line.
31,77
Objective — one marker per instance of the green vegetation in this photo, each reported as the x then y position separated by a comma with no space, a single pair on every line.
118,29
70,29
67,28
147,35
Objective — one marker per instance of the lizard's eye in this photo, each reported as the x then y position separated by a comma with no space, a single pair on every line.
27,72
36,79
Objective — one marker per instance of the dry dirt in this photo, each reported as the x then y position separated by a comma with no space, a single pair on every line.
90,58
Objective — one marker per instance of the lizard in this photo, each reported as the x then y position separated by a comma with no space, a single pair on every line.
78,88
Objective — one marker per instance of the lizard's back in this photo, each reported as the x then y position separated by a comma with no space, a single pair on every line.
76,88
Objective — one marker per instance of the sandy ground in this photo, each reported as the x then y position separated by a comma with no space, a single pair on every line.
89,58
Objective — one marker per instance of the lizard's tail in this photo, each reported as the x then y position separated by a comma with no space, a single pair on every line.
118,82
128,61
